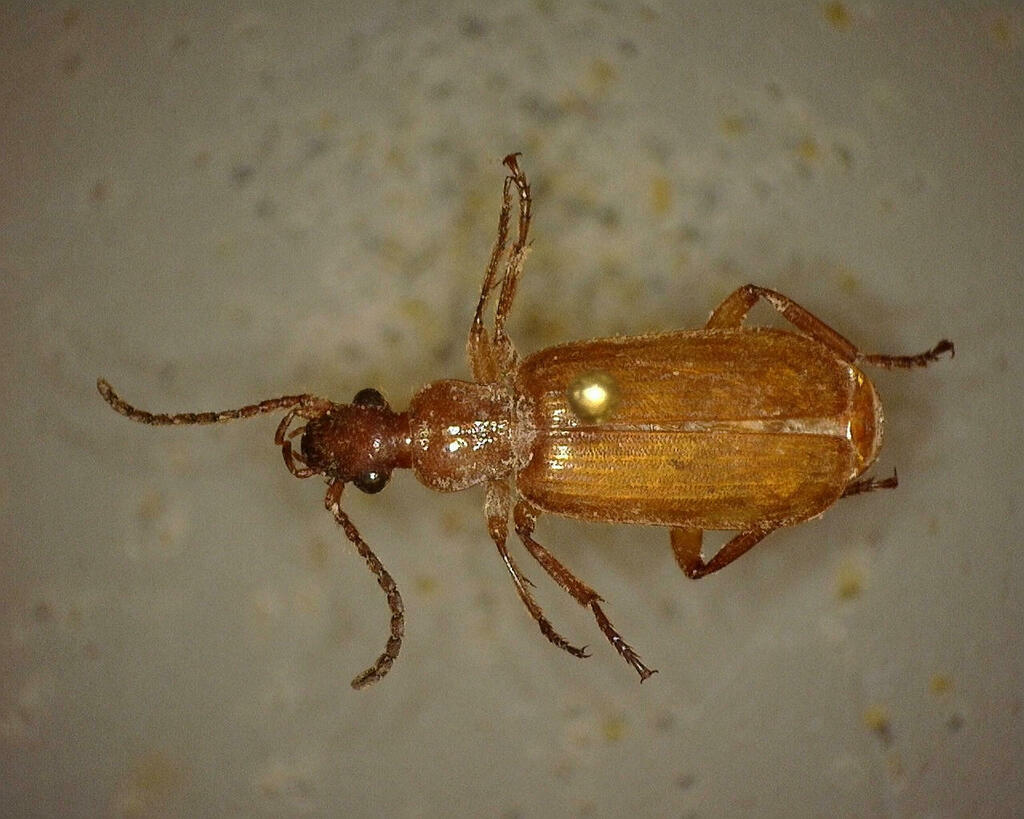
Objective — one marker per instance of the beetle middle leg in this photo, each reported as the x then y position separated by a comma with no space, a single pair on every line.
525,520
686,546
731,313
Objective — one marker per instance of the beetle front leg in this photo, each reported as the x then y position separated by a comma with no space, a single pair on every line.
383,663
526,520
496,509
730,315
479,347
686,546
504,350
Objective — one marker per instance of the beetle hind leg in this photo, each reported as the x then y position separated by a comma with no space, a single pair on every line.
686,546
525,520
731,313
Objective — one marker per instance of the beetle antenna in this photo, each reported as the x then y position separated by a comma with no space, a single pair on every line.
383,663
183,418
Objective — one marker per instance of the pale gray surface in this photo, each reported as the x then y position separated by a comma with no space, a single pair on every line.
214,207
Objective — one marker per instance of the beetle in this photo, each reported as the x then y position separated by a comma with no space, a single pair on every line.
728,427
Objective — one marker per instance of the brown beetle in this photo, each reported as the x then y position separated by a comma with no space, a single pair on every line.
723,428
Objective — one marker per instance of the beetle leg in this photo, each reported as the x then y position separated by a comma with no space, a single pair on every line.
384,662
731,313
906,361
505,353
496,508
525,520
686,544
479,347
870,485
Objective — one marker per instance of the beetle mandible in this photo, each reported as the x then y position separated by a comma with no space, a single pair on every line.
724,428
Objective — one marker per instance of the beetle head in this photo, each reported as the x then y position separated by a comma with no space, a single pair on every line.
359,443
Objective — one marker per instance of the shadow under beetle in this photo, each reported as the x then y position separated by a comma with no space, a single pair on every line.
724,428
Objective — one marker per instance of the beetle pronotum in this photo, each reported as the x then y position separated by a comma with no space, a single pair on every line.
722,428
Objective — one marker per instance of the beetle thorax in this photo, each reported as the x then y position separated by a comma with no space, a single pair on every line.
461,434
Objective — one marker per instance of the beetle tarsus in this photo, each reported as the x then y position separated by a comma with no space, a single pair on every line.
863,485
906,362
625,649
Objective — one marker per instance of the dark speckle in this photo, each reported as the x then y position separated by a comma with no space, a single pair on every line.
99,191
542,110
472,28
627,48
609,217
71,17
71,63
440,91
315,146
955,724
265,208
241,175
42,612
180,43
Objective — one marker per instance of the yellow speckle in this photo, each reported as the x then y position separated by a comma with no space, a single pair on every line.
940,684
328,121
426,584
661,195
452,522
152,506
807,149
1002,32
849,582
149,785
734,125
226,247
837,16
318,551
613,728
396,158
848,282
308,598
417,311
876,720
602,75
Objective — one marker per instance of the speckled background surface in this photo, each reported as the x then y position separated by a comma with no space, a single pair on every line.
213,206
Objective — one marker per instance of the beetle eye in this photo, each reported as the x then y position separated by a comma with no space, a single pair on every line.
370,398
372,482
